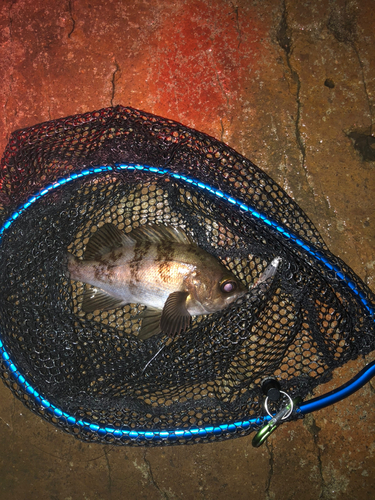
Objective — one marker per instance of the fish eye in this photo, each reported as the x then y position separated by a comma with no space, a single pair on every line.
228,286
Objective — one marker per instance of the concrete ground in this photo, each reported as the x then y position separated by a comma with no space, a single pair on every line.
289,84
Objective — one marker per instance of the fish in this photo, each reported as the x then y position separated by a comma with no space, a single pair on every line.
158,266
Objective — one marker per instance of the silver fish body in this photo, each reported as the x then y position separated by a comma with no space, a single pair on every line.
159,267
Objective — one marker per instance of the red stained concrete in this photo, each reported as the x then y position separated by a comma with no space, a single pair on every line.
228,69
202,63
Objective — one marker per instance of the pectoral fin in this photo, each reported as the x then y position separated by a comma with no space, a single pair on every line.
175,317
96,299
172,320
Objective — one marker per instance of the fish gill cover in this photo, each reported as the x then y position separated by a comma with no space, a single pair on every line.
60,182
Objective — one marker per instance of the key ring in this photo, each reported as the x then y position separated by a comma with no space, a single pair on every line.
289,406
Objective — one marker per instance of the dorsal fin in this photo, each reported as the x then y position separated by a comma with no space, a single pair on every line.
159,234
106,238
109,237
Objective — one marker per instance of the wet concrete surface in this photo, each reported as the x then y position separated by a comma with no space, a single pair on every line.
291,86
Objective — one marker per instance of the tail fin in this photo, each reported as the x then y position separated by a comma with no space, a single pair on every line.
264,282
270,271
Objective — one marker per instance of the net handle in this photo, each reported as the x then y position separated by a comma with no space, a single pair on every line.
342,392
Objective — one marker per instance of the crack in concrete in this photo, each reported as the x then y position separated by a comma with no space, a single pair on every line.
285,41
113,81
10,20
211,61
324,488
108,449
284,38
45,452
283,35
269,447
152,479
109,472
310,424
222,88
222,130
237,24
70,10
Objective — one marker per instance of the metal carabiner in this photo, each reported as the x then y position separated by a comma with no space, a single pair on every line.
262,435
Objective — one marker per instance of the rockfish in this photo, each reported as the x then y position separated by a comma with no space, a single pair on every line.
158,266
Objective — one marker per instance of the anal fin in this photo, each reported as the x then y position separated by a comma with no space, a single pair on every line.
150,323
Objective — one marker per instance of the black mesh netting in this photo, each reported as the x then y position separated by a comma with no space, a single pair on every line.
314,316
